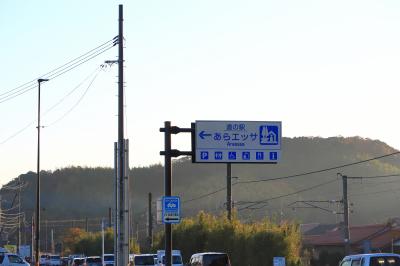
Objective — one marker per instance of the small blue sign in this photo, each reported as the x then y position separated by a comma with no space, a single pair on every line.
269,135
204,155
246,155
273,156
279,261
232,155
218,155
171,210
260,155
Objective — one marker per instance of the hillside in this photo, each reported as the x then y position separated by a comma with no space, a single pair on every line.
77,192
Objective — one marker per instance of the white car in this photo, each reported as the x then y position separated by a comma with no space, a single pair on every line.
93,261
55,260
176,258
143,260
44,260
10,259
384,259
108,260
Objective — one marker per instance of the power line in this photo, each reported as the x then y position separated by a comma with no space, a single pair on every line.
374,192
310,188
372,177
56,72
205,195
295,175
68,63
50,109
76,104
254,203
319,171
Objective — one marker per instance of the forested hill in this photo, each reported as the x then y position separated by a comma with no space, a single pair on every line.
77,192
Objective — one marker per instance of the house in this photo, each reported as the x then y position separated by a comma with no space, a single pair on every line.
363,239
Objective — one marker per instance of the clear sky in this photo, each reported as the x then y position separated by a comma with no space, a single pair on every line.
323,68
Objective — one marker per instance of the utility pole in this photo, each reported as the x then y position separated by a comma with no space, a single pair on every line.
32,234
19,215
229,190
122,248
347,247
46,249
52,241
37,231
102,241
150,223
109,217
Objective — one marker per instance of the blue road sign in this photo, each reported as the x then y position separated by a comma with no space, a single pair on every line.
279,261
171,210
238,141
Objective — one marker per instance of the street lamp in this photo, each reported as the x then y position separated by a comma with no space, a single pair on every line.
37,224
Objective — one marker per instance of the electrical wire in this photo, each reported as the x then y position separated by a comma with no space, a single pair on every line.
27,84
319,171
76,104
58,72
255,203
293,176
290,194
50,109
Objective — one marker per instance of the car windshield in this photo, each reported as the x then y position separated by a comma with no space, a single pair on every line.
215,260
79,261
175,259
109,258
144,260
384,261
55,257
14,259
93,260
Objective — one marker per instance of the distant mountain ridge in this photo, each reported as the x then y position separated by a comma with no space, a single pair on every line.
76,192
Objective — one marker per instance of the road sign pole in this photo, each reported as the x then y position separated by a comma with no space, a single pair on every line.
168,189
229,190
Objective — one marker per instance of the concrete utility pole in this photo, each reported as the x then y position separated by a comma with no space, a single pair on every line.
52,241
150,223
122,161
229,190
347,247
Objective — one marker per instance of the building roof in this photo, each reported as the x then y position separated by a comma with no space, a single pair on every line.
335,237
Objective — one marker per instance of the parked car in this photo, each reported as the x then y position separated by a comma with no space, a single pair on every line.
176,258
10,259
93,261
73,256
64,261
210,259
108,259
55,260
44,260
374,259
78,261
143,260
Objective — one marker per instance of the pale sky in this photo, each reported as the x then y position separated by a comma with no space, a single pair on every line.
323,68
